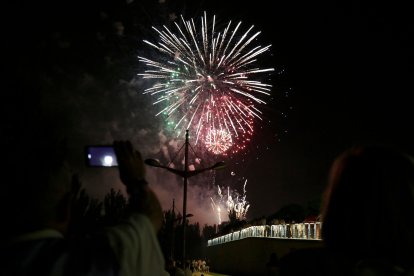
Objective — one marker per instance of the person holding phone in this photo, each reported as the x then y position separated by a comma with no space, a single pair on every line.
36,208
135,243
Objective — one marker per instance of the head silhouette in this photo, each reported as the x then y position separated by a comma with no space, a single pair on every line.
369,203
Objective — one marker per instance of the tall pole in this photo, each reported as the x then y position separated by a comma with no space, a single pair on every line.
173,230
185,174
185,192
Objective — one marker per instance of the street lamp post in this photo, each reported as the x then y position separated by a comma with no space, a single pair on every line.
185,174
173,228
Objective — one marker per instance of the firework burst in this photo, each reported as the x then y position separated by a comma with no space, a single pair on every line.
233,202
205,81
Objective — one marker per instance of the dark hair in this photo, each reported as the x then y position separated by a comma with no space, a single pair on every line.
369,203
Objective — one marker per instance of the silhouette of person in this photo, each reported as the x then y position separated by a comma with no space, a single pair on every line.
36,206
367,213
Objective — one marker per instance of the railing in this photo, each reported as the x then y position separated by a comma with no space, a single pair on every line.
309,231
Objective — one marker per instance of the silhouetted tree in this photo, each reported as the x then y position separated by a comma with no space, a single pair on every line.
86,215
115,207
209,231
289,213
167,233
233,217
313,207
194,241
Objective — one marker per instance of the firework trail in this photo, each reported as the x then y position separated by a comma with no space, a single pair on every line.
205,81
234,203
217,210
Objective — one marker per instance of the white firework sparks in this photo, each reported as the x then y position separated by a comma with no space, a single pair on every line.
233,203
207,80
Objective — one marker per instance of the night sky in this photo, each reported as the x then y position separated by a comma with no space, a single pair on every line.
344,72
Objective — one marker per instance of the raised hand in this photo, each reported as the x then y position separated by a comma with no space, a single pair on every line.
130,164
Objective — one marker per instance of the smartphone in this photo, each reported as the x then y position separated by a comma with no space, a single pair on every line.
100,156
